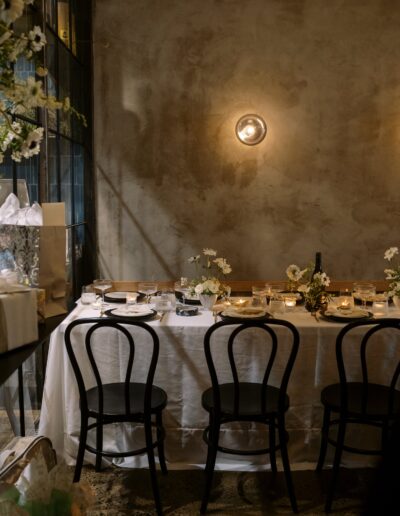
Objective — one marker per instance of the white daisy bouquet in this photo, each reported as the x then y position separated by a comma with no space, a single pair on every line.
312,287
393,274
210,271
296,276
18,96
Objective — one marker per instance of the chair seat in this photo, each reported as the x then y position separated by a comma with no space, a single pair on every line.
377,404
249,399
114,399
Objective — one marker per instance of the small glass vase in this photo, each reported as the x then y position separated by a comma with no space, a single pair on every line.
396,302
208,300
316,304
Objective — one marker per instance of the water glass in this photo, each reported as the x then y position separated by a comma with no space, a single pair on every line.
380,308
88,295
259,297
277,306
131,298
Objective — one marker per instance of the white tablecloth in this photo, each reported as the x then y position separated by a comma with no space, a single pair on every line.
183,373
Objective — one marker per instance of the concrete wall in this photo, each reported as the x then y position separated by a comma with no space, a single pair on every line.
171,78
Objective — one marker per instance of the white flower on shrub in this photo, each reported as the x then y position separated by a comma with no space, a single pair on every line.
389,253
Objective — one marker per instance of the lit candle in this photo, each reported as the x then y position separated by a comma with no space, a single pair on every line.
241,302
290,303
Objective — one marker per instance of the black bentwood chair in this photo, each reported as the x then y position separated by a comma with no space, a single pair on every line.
122,402
362,402
248,401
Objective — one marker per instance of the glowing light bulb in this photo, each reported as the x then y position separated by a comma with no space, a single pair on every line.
251,129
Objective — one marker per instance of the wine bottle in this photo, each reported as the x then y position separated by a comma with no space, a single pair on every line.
318,264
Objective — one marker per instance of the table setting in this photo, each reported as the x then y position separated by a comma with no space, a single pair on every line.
181,318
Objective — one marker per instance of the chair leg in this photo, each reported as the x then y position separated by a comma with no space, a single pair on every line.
324,439
99,444
336,463
210,464
152,465
286,464
81,449
160,440
272,445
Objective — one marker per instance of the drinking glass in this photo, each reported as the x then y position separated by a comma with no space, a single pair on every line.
183,287
148,289
88,295
131,298
363,291
102,285
259,296
275,289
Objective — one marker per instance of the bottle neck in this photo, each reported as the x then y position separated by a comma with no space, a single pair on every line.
318,263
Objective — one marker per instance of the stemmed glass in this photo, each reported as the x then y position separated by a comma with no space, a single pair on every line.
148,289
102,285
364,290
183,287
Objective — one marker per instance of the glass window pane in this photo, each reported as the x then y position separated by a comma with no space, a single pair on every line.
63,22
79,184
65,178
28,170
64,87
51,78
52,167
6,168
51,18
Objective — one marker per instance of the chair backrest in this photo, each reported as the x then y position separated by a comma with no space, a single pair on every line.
352,335
271,340
93,330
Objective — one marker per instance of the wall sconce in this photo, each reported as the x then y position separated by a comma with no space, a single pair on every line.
251,129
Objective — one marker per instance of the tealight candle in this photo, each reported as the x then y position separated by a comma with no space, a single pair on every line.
290,303
380,308
241,302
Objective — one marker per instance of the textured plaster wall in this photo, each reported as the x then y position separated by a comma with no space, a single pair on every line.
171,78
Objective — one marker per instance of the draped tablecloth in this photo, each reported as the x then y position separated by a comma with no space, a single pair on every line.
183,373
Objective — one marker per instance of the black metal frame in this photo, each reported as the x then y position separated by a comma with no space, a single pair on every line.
128,388
273,416
365,390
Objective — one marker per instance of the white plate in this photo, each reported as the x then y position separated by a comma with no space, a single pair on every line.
245,313
117,295
132,312
348,314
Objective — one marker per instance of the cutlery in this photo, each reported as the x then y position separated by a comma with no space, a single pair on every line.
161,314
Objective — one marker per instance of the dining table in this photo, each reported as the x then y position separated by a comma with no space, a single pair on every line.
182,372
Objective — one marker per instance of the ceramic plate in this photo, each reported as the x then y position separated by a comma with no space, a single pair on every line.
350,316
119,297
245,313
139,315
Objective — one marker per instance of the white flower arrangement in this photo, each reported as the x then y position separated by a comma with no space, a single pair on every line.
18,96
312,287
209,283
393,275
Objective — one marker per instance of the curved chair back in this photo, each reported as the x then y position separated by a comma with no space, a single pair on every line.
374,328
122,329
271,340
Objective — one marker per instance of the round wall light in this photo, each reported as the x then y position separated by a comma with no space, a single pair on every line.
251,129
